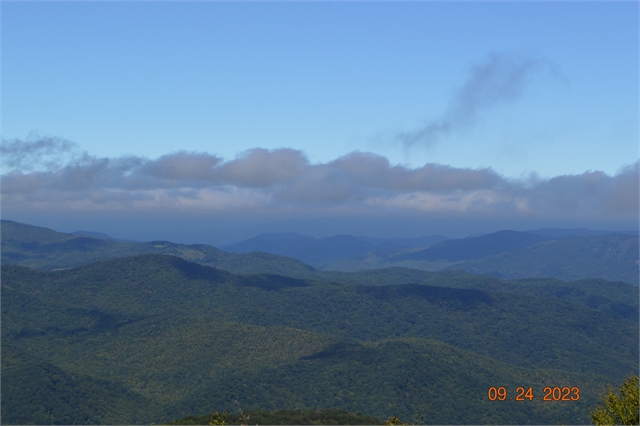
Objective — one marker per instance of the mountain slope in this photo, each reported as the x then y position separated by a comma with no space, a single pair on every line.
404,377
43,248
315,251
474,248
323,252
185,338
610,256
576,232
615,298
123,291
39,392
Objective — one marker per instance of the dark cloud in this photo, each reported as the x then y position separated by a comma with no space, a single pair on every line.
283,180
259,168
592,193
359,175
183,165
499,78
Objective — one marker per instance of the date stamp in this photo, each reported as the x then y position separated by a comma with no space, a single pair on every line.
565,393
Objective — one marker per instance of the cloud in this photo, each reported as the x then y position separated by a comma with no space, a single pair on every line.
284,180
499,78
47,152
182,165
358,175
590,193
261,168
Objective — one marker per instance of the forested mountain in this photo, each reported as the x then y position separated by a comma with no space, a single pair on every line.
550,253
610,256
505,254
474,248
155,337
179,338
576,232
99,235
43,248
322,252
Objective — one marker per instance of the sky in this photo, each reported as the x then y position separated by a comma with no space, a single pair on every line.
209,121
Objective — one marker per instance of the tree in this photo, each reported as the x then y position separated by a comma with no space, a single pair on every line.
218,419
395,420
619,410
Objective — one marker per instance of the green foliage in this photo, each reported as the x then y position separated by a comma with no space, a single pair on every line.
558,333
475,248
184,338
45,249
612,257
619,409
38,392
619,299
395,421
333,416
218,419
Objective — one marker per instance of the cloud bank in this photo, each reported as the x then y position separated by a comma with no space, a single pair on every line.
50,174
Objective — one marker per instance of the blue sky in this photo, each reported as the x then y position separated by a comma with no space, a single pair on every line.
520,93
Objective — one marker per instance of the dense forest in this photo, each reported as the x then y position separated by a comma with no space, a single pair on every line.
152,338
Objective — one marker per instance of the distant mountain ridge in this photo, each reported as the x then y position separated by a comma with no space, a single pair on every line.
570,254
614,256
43,248
100,236
476,247
322,251
576,232
505,254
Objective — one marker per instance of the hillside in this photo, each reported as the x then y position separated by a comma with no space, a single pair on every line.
39,392
322,252
551,253
613,257
616,298
184,339
43,248
576,232
474,248
610,256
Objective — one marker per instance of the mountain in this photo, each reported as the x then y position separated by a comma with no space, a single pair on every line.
43,248
505,254
322,252
519,255
100,236
511,254
576,232
38,392
610,256
474,248
619,299
424,241
180,338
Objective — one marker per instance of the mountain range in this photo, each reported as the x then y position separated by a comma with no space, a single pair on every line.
554,253
504,254
96,331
